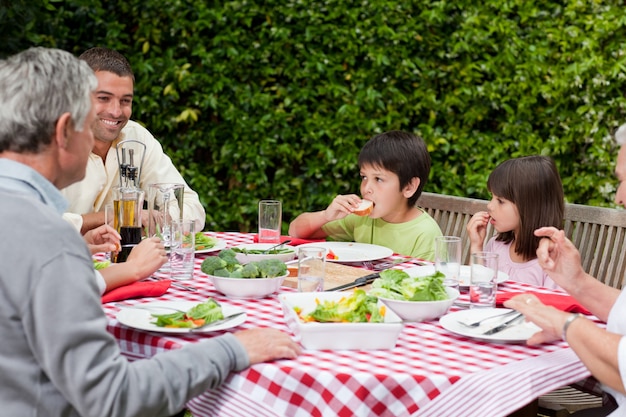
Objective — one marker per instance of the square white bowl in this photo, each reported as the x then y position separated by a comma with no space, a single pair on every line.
338,335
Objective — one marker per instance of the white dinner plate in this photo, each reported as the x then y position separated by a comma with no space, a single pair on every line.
141,318
219,245
517,333
352,251
422,271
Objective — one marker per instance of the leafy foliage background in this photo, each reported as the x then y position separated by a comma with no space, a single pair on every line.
273,99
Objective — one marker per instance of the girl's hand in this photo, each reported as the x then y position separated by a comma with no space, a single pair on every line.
477,230
341,206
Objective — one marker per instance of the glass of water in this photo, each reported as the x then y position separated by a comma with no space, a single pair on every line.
448,259
483,279
311,268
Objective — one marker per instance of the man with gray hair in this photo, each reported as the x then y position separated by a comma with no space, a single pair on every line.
56,357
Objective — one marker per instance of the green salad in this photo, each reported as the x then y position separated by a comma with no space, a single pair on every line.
199,315
398,285
356,308
204,242
226,265
276,251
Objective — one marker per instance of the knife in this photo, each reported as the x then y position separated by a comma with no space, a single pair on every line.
359,282
504,325
216,322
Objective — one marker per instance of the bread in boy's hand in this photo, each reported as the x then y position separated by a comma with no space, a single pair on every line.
365,208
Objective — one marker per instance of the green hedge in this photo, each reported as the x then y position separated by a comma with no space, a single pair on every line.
273,99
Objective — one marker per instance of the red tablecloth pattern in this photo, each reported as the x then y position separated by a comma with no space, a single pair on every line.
429,372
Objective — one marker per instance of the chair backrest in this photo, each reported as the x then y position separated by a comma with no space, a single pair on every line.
599,233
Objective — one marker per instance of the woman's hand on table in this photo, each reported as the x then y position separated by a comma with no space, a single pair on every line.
147,257
548,318
102,239
267,344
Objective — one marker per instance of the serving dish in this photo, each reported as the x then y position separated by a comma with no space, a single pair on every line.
314,335
422,310
247,287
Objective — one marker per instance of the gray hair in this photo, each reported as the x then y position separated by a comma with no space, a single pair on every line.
620,135
37,86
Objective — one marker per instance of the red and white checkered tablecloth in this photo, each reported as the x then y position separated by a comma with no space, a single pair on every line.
430,372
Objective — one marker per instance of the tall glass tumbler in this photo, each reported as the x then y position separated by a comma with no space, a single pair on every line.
483,279
270,221
448,259
165,206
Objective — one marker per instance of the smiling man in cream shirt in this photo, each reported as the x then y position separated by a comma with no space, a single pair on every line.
114,98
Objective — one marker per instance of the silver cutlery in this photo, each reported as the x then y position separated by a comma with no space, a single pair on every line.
266,251
149,308
504,325
216,322
388,264
481,321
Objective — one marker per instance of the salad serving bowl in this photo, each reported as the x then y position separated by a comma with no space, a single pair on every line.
247,287
422,310
314,335
254,252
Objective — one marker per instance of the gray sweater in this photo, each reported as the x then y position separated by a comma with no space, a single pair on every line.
56,356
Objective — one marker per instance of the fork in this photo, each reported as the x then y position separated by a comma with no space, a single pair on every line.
389,264
481,321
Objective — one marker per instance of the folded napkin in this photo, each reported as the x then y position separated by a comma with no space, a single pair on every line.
561,302
137,290
294,241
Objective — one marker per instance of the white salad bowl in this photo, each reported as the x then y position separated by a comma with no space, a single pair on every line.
247,287
244,258
421,310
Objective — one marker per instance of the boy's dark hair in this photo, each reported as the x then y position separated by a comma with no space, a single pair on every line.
402,153
105,59
533,184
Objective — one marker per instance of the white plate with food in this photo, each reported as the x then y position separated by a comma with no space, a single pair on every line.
518,332
203,245
139,316
352,251
422,271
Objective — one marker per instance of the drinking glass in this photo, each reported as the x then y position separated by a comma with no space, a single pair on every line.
165,206
483,279
270,219
448,259
311,268
109,219
182,249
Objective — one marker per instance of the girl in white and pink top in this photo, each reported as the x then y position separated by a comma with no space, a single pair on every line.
526,194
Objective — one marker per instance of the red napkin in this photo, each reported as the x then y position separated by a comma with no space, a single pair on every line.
562,302
294,241
137,290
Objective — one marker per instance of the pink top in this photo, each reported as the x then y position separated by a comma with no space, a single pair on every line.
529,272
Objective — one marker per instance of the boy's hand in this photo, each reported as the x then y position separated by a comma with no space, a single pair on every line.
341,206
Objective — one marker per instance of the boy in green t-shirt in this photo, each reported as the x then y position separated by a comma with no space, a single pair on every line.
394,168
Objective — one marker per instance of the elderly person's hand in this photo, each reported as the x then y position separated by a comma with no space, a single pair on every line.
102,239
548,318
559,257
267,344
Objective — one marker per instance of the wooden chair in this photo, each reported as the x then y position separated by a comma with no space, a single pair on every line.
598,233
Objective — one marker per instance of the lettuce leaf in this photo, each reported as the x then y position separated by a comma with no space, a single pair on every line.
398,285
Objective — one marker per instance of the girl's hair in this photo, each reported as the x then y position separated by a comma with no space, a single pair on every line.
402,153
533,184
